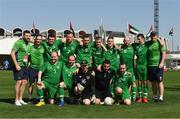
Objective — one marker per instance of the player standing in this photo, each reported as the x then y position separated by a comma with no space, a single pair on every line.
156,58
19,55
36,60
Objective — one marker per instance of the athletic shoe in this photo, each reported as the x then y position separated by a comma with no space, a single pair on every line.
155,99
133,98
145,100
139,100
61,103
41,103
22,102
17,103
160,99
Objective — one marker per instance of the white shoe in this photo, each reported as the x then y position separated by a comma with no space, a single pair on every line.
17,103
22,102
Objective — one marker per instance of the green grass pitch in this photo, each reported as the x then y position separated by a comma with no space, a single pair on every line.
170,108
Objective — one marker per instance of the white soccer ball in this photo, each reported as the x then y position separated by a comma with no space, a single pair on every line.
108,101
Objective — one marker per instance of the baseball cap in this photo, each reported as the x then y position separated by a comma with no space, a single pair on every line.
84,63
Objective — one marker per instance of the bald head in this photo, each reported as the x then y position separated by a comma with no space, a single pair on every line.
127,40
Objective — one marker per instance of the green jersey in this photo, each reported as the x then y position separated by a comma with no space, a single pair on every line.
112,55
50,48
123,80
154,52
68,49
52,72
84,53
127,57
98,55
68,74
36,56
141,53
21,48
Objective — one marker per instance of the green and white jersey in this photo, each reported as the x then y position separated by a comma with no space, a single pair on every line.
36,56
68,49
154,52
98,56
112,55
84,53
68,74
127,57
21,48
52,72
50,48
141,52
123,80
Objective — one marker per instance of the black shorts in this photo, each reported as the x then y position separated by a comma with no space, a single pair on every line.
33,75
22,74
102,94
155,73
86,95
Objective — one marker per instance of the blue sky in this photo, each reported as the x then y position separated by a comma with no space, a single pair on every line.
87,14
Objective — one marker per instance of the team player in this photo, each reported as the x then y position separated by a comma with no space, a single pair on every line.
103,79
98,53
19,55
50,73
121,82
84,51
156,58
126,55
141,51
68,74
68,47
84,83
112,53
36,60
52,44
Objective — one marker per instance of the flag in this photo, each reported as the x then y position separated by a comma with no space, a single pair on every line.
149,32
171,32
71,29
132,30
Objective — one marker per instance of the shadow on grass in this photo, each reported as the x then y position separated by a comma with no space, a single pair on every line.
175,88
7,100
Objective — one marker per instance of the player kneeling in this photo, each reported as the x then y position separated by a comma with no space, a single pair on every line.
103,80
122,80
84,84
51,75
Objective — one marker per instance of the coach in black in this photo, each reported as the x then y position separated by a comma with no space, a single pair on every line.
103,79
85,83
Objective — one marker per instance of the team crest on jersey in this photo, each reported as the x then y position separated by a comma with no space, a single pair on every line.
80,76
69,75
125,51
68,51
57,67
86,50
72,48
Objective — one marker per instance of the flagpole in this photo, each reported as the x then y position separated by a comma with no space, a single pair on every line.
127,31
172,42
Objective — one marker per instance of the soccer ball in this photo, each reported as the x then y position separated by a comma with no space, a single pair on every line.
108,101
